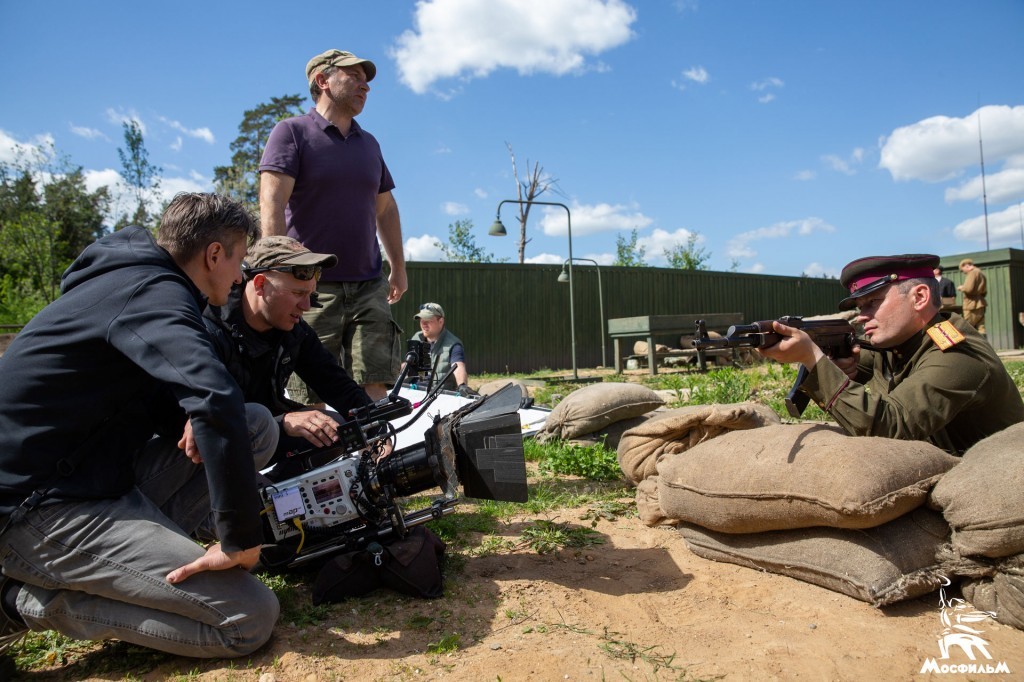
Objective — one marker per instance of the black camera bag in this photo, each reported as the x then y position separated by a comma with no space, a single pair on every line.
410,565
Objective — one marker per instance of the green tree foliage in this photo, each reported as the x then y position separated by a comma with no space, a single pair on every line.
627,253
47,216
462,247
241,180
688,256
141,177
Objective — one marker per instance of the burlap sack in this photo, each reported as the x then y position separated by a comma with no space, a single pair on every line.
611,434
674,431
494,386
596,406
983,497
882,565
1003,593
797,476
995,585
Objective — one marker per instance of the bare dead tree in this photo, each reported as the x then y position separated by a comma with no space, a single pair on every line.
527,190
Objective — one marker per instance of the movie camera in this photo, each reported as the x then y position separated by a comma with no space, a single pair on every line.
349,495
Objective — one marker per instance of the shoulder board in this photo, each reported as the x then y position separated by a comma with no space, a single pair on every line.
945,335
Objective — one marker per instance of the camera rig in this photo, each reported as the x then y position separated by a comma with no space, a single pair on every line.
347,495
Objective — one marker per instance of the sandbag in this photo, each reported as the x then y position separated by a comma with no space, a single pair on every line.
674,431
611,434
797,476
1002,594
882,565
492,387
596,406
983,497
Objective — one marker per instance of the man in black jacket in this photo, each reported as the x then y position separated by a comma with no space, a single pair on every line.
262,339
84,550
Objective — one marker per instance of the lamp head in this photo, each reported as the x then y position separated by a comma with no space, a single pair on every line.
563,277
497,229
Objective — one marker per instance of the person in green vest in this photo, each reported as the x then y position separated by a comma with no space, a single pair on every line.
446,350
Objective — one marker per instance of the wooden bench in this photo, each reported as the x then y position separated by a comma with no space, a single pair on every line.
649,326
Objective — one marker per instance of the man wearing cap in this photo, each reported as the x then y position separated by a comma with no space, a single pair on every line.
927,375
262,339
324,182
974,289
446,349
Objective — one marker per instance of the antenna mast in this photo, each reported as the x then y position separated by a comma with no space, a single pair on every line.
984,192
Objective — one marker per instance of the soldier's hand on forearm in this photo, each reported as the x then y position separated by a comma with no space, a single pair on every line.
313,425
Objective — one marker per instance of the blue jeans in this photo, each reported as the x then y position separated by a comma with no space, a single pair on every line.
95,569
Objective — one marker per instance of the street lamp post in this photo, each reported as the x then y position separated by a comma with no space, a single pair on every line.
498,230
564,277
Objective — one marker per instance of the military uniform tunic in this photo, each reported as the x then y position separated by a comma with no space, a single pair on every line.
918,391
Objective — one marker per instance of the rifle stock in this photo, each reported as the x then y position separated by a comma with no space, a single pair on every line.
836,338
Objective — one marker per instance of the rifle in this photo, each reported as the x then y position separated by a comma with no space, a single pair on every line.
836,338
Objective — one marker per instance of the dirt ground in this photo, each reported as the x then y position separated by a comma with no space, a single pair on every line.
640,606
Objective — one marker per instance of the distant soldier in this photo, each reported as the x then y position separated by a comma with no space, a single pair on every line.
974,289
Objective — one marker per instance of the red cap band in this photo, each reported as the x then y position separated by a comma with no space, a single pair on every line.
902,275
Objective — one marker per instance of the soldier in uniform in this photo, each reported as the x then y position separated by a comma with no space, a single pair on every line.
927,375
974,289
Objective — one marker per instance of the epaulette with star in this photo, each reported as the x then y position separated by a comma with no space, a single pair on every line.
945,335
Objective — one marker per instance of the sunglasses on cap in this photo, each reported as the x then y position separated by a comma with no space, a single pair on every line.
301,272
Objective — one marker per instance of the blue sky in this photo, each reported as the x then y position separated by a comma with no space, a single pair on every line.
790,136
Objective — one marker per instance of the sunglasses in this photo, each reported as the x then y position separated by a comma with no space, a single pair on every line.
300,272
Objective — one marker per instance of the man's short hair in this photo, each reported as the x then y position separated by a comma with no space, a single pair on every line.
194,220
314,89
906,285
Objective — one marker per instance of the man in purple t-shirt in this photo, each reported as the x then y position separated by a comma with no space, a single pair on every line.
324,182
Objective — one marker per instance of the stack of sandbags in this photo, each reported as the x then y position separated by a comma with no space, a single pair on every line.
492,387
595,407
982,499
672,432
809,502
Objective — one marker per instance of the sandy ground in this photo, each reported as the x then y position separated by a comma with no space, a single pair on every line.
640,606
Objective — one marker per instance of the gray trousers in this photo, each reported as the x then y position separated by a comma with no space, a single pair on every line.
96,569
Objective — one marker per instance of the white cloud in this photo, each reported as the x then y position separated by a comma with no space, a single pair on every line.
423,248
697,74
805,175
545,259
848,165
764,99
177,144
601,258
659,241
454,208
766,83
88,133
472,38
819,270
203,134
739,246
1003,226
443,149
1000,188
41,145
939,148
119,118
591,219
94,179
480,193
